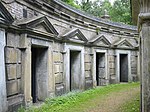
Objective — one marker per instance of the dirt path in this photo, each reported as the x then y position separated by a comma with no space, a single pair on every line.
113,101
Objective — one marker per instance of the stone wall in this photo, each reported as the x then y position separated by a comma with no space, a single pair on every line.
58,68
13,62
88,68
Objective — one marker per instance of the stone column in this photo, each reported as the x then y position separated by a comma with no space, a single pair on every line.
144,29
3,96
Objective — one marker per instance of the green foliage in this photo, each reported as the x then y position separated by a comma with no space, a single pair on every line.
72,3
119,11
66,102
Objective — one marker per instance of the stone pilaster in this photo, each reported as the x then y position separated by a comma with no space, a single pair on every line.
26,69
144,29
3,96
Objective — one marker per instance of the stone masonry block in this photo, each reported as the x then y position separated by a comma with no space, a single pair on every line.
56,68
87,66
19,85
56,47
56,57
19,71
18,56
111,58
11,71
87,58
12,40
58,78
111,65
87,74
11,55
12,87
112,71
61,68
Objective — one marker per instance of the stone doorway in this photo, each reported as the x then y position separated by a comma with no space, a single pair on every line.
39,77
100,69
123,67
75,70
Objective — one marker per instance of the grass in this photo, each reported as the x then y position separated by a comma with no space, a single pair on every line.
131,106
74,100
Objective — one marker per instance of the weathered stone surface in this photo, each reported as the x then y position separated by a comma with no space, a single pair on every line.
18,56
3,95
133,70
15,102
11,71
56,68
56,47
11,55
12,87
87,58
87,73
58,78
59,89
88,84
56,57
111,65
87,66
112,71
12,40
19,85
111,59
19,70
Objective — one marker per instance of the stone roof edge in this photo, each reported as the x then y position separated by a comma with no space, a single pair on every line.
85,15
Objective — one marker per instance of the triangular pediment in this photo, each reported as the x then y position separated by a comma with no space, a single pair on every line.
123,43
40,23
5,16
101,40
75,35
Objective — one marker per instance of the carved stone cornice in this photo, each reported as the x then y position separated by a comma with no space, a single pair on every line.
144,12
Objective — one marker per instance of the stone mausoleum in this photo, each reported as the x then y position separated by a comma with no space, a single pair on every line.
48,48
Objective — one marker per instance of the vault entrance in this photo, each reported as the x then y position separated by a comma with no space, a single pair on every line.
123,68
39,74
75,69
100,68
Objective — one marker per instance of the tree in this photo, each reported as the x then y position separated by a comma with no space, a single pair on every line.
72,3
121,11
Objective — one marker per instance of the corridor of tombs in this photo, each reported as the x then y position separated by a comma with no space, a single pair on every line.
39,73
48,52
75,70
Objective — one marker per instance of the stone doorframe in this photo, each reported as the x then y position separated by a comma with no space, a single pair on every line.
94,65
3,95
118,52
28,43
67,49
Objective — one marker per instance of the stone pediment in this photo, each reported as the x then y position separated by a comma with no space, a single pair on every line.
40,23
101,40
5,16
75,35
124,43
